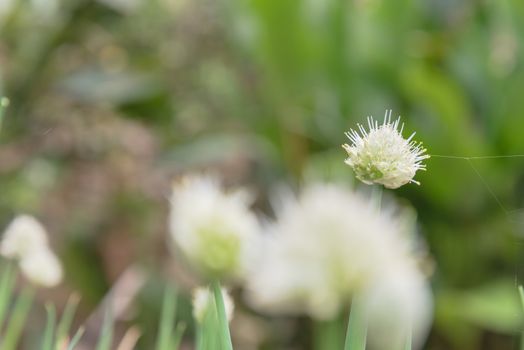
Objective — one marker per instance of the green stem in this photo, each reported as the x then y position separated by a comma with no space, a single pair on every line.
18,318
521,294
376,197
408,342
4,102
48,342
167,320
223,323
76,338
328,334
6,290
199,337
356,334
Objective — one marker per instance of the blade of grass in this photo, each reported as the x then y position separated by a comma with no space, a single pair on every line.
328,335
18,319
76,338
200,339
356,334
357,330
130,339
67,317
47,343
177,336
521,294
409,342
223,324
6,290
4,102
208,330
167,320
106,335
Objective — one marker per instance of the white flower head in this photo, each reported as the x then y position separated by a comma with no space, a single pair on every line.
42,268
23,235
214,229
204,302
25,240
382,155
398,306
327,245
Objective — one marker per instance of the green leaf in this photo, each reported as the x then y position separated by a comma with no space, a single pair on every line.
167,320
208,332
47,343
6,290
76,338
17,321
409,342
521,294
329,335
67,318
106,336
223,324
356,334
177,337
4,102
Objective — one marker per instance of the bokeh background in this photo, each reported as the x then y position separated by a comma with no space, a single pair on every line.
112,99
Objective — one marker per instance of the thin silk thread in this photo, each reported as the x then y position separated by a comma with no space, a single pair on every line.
484,182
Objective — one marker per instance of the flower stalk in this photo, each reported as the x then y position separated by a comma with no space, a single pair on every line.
223,324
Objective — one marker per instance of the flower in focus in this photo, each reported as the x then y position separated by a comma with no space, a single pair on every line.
214,229
327,246
25,239
203,300
381,155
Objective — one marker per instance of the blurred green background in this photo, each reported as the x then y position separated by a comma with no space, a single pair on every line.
112,99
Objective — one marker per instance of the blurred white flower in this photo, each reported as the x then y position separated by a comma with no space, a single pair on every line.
381,155
23,235
203,299
42,268
214,229
328,245
398,305
25,239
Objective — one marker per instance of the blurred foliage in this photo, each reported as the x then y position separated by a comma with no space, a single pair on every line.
111,99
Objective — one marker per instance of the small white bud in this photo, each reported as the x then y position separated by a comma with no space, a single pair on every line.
25,240
42,268
23,235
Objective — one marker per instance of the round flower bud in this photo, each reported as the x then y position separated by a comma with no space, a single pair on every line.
381,155
42,268
24,234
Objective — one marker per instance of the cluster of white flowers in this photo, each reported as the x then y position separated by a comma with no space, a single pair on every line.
381,155
330,244
204,302
214,229
25,240
327,245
